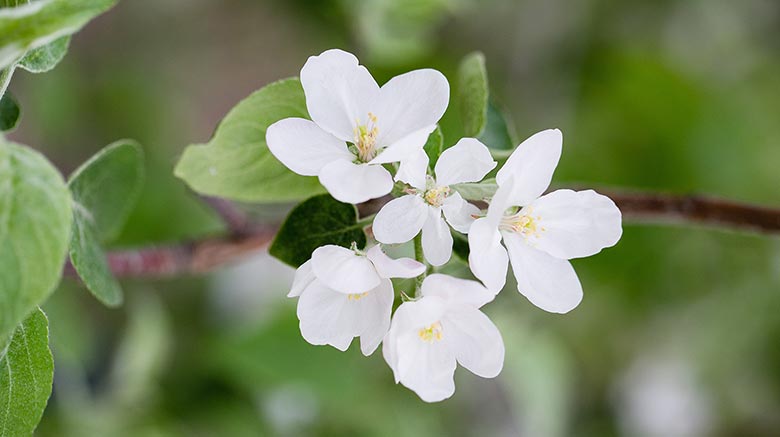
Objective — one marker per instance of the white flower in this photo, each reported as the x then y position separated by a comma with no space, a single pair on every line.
421,210
428,336
346,294
540,233
382,125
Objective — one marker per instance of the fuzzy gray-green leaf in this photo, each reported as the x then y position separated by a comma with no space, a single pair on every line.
35,223
104,190
26,374
30,26
473,94
316,222
237,164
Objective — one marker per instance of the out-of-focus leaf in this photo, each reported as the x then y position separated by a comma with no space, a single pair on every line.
43,59
35,222
499,132
473,94
433,147
477,191
26,375
237,164
460,246
37,24
104,190
316,222
9,113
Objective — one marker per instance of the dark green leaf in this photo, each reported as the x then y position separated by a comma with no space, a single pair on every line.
237,164
35,223
473,94
45,58
26,374
460,246
316,222
9,113
434,145
43,23
104,190
498,133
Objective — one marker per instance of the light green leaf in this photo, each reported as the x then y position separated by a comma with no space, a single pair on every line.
9,113
237,164
26,375
433,147
45,58
37,24
104,191
473,94
499,131
35,221
316,222
478,190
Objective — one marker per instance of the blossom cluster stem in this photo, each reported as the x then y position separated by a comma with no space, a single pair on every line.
418,255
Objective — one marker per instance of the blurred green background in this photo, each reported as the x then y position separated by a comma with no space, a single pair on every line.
679,331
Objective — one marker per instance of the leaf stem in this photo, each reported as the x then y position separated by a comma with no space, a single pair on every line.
418,255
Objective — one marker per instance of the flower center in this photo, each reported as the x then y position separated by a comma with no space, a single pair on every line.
365,139
431,333
357,296
434,195
522,223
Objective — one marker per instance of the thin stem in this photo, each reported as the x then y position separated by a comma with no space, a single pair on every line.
418,255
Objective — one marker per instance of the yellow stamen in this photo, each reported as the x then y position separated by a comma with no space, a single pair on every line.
357,296
431,334
365,138
436,196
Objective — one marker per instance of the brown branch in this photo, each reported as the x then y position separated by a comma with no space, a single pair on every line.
201,256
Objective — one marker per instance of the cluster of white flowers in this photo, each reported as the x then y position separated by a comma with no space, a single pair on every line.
356,129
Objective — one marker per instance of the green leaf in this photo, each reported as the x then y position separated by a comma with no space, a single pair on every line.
9,113
473,94
26,376
28,27
433,147
35,223
460,246
45,58
499,131
237,164
104,191
477,191
316,222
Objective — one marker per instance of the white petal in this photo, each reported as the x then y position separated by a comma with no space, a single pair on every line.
532,165
339,92
576,223
549,283
303,277
410,102
425,367
400,219
330,317
324,317
500,201
459,213
413,170
375,309
476,341
410,317
343,270
355,183
303,147
405,148
487,257
456,291
436,238
388,267
467,161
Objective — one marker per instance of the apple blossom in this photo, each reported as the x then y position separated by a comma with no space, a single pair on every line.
381,124
421,210
430,335
346,293
540,232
